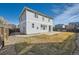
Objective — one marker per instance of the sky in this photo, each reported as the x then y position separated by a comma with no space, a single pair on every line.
62,13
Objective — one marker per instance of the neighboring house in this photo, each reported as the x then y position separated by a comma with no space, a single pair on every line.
11,26
77,25
17,28
59,27
32,21
73,26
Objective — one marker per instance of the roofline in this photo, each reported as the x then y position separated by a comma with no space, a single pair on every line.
26,8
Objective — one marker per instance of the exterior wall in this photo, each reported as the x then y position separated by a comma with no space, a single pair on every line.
37,23
28,18
23,23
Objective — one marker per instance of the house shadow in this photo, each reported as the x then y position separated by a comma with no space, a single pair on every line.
15,49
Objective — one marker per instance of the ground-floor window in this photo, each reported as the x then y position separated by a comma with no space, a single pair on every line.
32,25
37,27
44,27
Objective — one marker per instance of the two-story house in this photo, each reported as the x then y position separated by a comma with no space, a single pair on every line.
32,22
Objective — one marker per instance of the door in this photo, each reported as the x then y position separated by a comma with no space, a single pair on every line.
49,28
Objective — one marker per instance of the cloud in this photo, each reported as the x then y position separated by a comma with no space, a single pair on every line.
59,8
56,9
69,15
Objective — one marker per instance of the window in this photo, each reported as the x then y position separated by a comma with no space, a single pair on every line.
32,25
41,25
48,20
36,15
44,27
37,28
43,18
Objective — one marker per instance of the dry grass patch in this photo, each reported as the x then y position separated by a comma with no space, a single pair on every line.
60,37
61,43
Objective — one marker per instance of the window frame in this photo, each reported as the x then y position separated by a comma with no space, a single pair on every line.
49,20
36,15
32,25
43,18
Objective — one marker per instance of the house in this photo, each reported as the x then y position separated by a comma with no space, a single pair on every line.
73,26
17,28
32,22
59,27
11,26
77,25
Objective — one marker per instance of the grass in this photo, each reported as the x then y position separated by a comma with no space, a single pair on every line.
60,37
65,47
20,46
61,43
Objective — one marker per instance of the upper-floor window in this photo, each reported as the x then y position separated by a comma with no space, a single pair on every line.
36,15
43,18
32,25
49,20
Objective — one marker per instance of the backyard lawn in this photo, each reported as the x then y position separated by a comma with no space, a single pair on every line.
59,37
43,38
60,43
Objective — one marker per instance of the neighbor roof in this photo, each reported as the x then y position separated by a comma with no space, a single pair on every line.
26,8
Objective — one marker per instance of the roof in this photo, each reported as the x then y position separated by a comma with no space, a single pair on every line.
59,24
26,8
